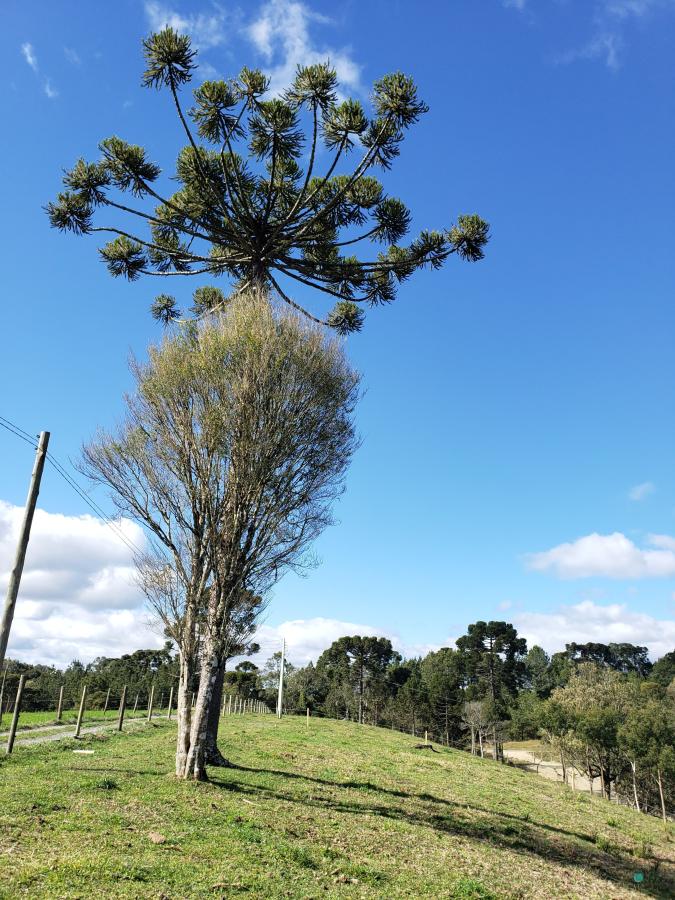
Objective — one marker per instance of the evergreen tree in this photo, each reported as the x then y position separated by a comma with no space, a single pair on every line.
245,209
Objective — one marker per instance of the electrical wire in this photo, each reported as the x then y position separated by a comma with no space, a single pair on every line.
60,469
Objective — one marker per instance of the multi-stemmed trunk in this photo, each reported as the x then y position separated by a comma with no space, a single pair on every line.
193,755
213,756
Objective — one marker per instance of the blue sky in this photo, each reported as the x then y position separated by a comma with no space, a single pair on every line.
518,434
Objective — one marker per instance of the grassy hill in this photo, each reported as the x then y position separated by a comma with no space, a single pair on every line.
332,810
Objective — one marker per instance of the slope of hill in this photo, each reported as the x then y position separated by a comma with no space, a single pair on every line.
332,810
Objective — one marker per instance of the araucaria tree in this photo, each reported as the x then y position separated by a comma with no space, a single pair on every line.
235,444
245,207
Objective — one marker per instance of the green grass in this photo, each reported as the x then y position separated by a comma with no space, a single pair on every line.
330,811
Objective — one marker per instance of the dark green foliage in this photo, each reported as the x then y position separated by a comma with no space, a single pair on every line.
246,209
494,659
663,671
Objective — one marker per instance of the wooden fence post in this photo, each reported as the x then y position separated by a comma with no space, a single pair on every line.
59,707
2,690
170,703
136,701
15,716
107,701
123,703
308,716
81,711
229,705
150,699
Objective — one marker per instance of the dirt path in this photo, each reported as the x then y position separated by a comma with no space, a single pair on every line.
548,769
25,739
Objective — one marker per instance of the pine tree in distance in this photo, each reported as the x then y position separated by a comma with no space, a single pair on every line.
245,207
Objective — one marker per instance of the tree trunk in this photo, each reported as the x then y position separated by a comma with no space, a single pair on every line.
635,793
480,741
212,755
663,802
184,715
195,760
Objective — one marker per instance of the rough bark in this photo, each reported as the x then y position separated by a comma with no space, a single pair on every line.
212,754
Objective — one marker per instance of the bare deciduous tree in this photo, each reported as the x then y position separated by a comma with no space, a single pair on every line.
234,447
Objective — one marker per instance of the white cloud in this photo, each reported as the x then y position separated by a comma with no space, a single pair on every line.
588,621
281,34
605,46
640,491
29,55
206,29
78,597
609,23
607,555
50,90
306,639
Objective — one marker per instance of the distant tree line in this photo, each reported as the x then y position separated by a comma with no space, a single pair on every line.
604,709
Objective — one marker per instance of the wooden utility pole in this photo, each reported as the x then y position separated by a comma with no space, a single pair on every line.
280,696
24,534
15,717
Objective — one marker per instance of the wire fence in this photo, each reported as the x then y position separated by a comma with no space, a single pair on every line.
51,718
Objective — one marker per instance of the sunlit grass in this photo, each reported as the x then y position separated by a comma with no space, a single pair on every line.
329,810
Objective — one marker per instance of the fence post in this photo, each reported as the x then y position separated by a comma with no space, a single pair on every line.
170,703
81,711
161,701
150,699
136,701
123,703
15,717
308,716
107,701
229,705
59,707
2,690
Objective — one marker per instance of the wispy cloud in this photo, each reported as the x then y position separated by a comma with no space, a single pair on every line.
609,22
641,491
607,556
72,56
207,29
605,47
29,55
49,89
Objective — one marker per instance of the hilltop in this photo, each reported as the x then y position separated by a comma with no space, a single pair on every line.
327,811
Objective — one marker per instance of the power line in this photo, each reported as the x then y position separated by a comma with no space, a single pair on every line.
17,432
59,468
96,509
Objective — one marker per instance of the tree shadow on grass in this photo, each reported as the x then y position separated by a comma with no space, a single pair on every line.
499,829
